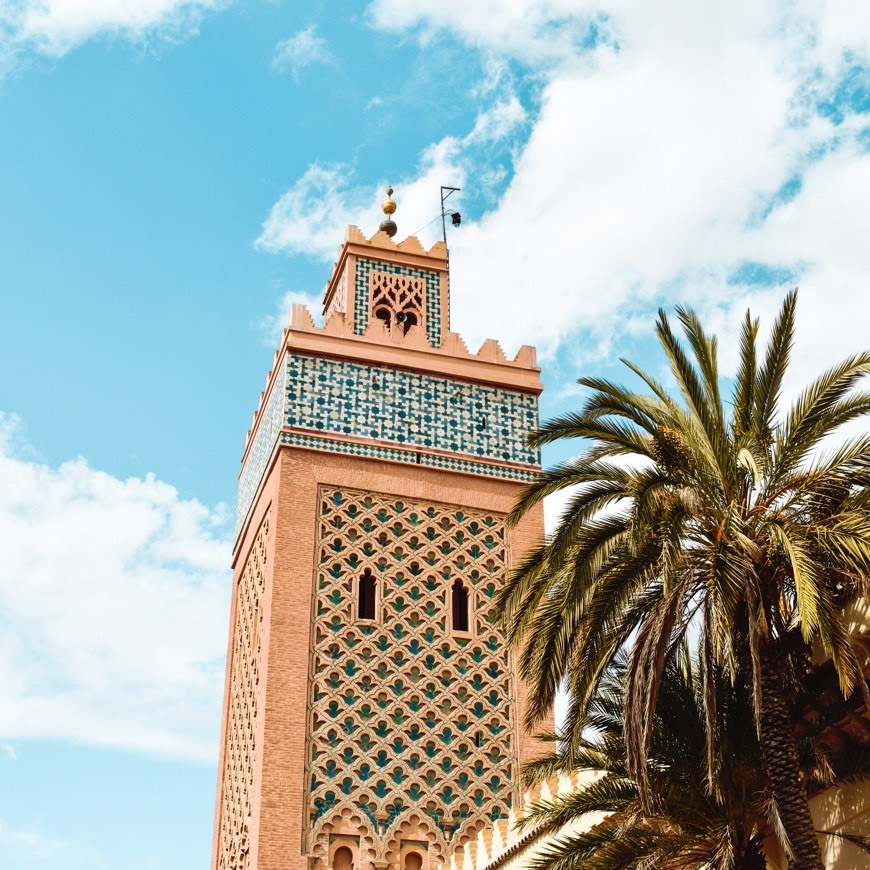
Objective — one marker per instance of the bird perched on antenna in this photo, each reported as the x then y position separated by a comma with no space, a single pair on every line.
389,208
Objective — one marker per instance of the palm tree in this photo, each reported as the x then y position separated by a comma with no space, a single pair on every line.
686,826
730,530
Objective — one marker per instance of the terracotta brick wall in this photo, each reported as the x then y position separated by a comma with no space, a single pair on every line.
279,815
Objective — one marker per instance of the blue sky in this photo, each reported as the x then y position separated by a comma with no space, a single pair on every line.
174,173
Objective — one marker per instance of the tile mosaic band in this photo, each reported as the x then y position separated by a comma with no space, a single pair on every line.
424,416
261,449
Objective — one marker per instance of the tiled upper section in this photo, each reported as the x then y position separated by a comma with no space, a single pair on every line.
410,409
433,295
261,449
347,401
397,389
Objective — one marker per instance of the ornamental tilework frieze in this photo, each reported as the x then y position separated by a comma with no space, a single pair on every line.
373,451
347,448
340,403
261,449
503,472
410,409
434,318
403,712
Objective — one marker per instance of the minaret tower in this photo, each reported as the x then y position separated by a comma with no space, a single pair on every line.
372,715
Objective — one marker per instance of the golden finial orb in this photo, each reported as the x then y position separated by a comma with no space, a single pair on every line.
389,207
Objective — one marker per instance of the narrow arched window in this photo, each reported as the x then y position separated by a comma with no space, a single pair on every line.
408,319
342,859
460,607
366,595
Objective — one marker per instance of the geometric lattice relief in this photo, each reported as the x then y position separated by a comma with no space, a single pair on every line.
397,300
408,717
240,747
432,296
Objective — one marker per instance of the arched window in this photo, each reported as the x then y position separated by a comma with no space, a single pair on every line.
406,319
342,859
366,595
413,861
460,607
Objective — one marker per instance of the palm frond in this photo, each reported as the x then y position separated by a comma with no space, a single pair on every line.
768,385
744,385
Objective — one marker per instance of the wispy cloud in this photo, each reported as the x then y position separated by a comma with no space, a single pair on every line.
118,635
542,33
54,27
672,146
31,848
293,227
297,52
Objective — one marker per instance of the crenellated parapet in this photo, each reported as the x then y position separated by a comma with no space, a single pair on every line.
385,378
508,845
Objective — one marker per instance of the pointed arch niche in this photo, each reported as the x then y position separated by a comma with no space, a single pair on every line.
460,608
414,856
342,859
367,596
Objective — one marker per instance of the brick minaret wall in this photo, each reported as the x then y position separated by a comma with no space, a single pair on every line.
381,447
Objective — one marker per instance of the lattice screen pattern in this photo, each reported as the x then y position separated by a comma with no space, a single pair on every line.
241,749
404,713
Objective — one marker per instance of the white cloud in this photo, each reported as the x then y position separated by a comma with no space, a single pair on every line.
30,848
273,324
542,33
294,227
54,27
113,609
652,170
299,51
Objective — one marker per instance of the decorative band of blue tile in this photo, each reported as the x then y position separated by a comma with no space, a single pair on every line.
505,472
373,451
261,449
437,416
433,295
410,409
349,448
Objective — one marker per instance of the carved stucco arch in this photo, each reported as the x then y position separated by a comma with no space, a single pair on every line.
470,832
343,820
413,825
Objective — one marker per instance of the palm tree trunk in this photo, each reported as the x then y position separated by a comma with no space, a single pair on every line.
750,858
779,754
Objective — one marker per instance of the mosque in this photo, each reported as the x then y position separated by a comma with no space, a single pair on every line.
372,715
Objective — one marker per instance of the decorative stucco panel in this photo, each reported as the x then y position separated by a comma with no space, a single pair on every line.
405,713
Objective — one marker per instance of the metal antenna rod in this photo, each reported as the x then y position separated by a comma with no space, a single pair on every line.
450,190
444,196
